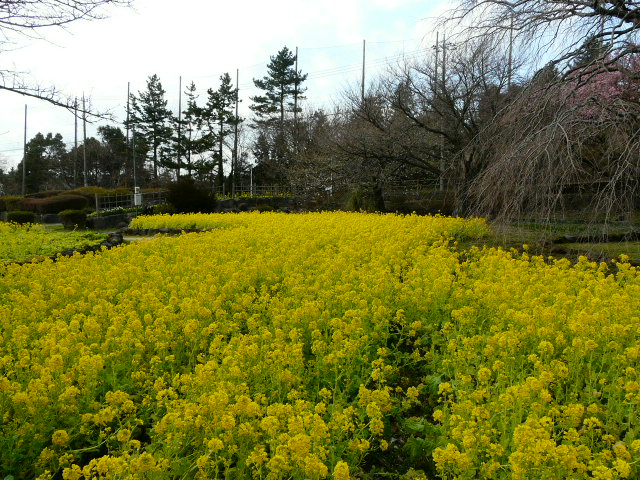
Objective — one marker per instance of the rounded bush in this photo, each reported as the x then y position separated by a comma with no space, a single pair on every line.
188,197
164,209
55,204
73,219
9,203
21,217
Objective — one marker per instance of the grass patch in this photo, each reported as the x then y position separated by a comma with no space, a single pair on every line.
33,242
610,250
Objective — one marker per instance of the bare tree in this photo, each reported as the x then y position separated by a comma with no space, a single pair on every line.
563,143
570,139
21,19
418,121
558,28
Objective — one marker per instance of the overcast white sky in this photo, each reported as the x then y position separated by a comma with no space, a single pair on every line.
199,40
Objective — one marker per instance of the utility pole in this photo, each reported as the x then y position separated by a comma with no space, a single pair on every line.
24,154
127,125
510,72
444,58
295,109
234,160
435,75
133,148
364,43
179,149
295,93
75,142
84,139
444,68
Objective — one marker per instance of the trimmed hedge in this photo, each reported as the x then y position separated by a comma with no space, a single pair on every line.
55,204
9,203
90,192
45,194
73,219
20,216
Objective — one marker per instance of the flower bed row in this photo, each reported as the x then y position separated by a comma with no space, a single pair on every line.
316,346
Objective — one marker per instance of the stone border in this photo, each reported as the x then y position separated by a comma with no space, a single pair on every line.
150,232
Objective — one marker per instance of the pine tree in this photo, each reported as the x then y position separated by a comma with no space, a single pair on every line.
591,50
220,119
152,121
191,142
282,88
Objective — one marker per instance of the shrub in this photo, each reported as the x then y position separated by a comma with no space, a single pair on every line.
263,207
120,191
73,219
9,203
45,194
55,204
364,199
21,217
164,209
89,192
188,197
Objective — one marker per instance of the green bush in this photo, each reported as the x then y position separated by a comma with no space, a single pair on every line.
164,208
88,192
73,219
363,199
45,194
9,203
55,204
188,197
20,216
264,207
91,192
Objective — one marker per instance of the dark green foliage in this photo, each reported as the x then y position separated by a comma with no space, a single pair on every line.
45,194
44,154
592,49
73,219
220,120
281,87
366,199
151,120
163,208
188,197
10,203
21,217
264,207
191,141
55,204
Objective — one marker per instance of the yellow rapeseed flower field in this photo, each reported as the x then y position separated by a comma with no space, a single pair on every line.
330,345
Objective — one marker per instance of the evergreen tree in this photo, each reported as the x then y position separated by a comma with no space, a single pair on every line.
114,159
43,156
282,88
220,119
191,126
152,121
591,50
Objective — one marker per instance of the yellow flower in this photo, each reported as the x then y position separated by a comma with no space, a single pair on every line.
123,435
341,471
60,438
